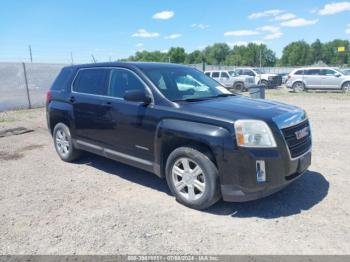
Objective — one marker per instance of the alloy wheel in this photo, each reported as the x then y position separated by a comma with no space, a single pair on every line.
62,142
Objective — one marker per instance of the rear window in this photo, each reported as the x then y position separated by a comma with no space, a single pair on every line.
299,72
313,72
215,74
62,79
92,81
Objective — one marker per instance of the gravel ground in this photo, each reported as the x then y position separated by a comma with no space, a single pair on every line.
97,206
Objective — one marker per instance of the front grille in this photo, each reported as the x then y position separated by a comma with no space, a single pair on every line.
276,80
296,146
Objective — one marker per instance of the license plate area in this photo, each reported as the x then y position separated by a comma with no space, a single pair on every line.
304,162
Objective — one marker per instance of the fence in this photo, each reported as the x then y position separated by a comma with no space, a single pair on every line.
23,85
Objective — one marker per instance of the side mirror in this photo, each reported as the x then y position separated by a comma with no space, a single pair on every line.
337,75
137,96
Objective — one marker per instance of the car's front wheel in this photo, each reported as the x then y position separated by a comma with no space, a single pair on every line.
64,144
192,177
346,87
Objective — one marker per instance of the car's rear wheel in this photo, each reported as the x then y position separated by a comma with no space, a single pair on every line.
346,87
64,144
298,87
193,178
239,86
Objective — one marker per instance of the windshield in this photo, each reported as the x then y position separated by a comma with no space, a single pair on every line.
258,71
233,73
180,84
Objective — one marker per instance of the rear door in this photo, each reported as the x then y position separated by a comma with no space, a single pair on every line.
92,115
312,78
330,79
225,79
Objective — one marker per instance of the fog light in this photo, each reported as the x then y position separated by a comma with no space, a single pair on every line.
260,171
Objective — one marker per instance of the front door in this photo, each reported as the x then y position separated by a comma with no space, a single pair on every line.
133,126
330,79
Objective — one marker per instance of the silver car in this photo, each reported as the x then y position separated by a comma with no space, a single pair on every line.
231,80
322,78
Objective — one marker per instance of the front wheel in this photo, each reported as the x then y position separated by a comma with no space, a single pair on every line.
346,87
193,178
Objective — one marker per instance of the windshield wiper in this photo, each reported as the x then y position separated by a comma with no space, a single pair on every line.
203,98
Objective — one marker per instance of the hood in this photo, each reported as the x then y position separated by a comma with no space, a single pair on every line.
239,107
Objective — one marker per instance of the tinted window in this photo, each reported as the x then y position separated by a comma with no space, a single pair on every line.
92,81
208,74
62,79
312,72
327,72
121,81
299,72
248,72
224,75
215,74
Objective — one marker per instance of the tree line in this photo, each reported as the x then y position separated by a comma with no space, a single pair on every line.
298,53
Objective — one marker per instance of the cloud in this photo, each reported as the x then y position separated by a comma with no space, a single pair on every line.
200,26
286,16
269,28
267,13
334,8
173,36
139,45
164,15
145,34
273,36
347,31
275,32
241,33
299,22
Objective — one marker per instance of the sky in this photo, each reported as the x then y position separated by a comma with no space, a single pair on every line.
112,29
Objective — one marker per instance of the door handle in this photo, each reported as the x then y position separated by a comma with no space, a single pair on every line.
72,99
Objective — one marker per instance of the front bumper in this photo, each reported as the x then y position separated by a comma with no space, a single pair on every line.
239,182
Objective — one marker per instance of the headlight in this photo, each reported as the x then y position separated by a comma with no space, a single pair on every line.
254,133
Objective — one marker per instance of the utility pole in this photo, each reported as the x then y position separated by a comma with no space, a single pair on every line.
260,55
93,58
71,57
30,54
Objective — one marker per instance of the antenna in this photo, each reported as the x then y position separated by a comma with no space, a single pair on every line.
93,58
30,54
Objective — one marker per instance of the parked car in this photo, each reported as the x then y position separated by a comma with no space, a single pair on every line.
284,77
231,80
261,78
323,78
207,142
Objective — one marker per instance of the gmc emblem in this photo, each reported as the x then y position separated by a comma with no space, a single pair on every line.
302,133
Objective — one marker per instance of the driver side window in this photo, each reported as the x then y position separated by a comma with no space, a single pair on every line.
121,81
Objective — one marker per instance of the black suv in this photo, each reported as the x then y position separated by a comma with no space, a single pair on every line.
176,122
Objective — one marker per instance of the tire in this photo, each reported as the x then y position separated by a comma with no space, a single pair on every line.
195,184
64,144
298,87
265,83
239,86
346,87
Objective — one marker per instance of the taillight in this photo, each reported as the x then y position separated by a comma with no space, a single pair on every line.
48,96
289,77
